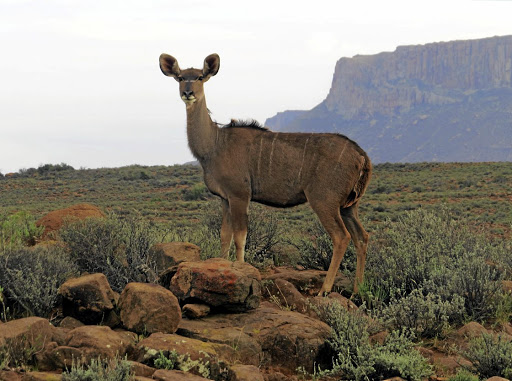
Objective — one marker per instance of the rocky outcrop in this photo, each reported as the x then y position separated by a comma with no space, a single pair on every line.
445,101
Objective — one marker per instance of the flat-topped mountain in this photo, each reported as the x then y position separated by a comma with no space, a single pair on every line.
446,101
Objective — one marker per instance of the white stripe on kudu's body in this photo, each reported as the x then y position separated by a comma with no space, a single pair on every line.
329,171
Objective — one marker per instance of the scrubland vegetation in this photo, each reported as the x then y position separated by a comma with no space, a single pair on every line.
439,253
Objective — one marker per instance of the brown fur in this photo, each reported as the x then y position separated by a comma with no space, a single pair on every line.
244,162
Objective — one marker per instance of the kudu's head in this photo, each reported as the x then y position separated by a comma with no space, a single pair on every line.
191,80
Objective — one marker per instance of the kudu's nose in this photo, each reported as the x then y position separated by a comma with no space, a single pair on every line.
188,94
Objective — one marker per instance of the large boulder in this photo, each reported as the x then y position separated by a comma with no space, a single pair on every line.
283,338
88,298
233,286
53,221
149,308
171,254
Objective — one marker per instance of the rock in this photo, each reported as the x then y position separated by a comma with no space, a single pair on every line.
284,338
70,322
149,308
175,375
246,373
88,342
88,298
147,349
41,376
196,311
53,221
234,286
192,354
173,253
6,375
496,378
246,349
32,333
141,370
306,281
284,293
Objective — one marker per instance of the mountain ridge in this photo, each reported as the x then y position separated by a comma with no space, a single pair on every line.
446,101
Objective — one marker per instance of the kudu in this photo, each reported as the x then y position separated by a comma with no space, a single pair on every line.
246,162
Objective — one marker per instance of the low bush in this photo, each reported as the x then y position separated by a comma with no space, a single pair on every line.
31,278
427,315
17,230
439,254
100,370
464,375
116,247
356,359
491,355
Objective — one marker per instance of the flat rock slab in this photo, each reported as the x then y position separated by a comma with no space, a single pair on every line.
233,286
306,281
176,375
288,339
88,342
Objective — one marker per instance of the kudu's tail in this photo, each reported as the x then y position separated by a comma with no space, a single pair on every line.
363,181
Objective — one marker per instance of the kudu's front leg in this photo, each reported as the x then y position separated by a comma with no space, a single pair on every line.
239,220
226,231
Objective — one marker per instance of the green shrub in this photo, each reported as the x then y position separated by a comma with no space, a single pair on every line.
31,277
116,247
168,362
425,315
491,356
439,254
100,370
17,230
464,375
196,192
356,359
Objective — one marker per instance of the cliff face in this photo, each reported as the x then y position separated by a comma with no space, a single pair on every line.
386,101
432,74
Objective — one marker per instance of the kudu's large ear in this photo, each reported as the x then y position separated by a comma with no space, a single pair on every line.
169,66
211,66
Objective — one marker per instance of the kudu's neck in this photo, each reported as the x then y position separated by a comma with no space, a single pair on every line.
201,131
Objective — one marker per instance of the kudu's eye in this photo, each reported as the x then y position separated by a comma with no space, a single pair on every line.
200,78
181,79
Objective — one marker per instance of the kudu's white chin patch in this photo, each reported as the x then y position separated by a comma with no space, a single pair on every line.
188,100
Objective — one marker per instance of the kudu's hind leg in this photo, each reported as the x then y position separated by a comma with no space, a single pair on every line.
239,220
333,223
359,237
226,231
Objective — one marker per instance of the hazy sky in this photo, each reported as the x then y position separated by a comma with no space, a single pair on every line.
80,82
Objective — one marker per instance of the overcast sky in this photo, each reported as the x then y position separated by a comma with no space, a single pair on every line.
80,82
